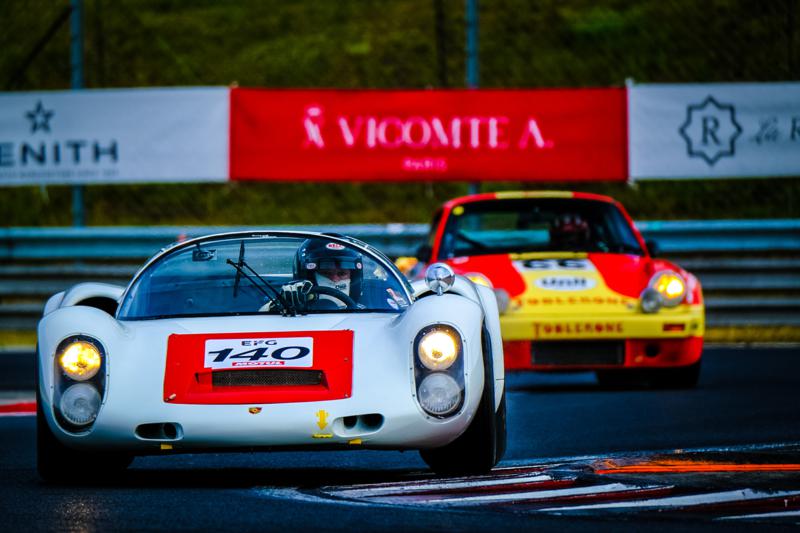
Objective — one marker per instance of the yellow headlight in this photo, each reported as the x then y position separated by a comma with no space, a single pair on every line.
438,350
480,279
671,286
80,360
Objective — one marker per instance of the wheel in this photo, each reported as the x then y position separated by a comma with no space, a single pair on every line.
477,450
335,293
57,463
483,444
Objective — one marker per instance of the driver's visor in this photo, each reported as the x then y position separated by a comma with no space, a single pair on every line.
333,264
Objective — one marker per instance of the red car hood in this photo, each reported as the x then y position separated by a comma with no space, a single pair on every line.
626,275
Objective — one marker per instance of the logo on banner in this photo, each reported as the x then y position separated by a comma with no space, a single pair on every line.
459,133
710,130
40,118
44,155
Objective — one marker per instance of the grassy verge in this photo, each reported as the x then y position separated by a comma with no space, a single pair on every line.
749,334
17,338
753,334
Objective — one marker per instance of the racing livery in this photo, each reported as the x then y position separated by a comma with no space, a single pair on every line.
270,340
576,285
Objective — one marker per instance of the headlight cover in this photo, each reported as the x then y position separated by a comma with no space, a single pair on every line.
438,348
80,360
670,285
439,370
439,394
79,378
79,404
651,300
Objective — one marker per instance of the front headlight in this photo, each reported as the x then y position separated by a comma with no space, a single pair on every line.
439,370
80,360
671,286
438,349
439,394
479,279
79,404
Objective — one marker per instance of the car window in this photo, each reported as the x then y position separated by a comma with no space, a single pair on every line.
244,275
537,225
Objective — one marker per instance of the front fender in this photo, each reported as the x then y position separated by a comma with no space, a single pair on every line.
485,298
66,322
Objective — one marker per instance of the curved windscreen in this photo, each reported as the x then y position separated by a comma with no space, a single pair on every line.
271,274
537,225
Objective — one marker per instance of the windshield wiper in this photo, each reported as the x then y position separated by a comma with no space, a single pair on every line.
238,270
286,309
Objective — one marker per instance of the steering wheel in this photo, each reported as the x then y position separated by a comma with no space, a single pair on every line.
335,293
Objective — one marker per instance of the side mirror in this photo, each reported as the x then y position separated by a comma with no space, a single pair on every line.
423,253
652,247
440,278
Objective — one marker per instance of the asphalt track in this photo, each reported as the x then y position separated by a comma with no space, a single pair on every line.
724,456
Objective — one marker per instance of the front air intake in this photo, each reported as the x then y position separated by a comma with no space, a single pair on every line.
266,378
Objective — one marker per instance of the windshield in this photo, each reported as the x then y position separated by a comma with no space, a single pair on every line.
537,225
285,275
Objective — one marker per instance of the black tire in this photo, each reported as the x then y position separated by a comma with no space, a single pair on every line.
56,463
483,444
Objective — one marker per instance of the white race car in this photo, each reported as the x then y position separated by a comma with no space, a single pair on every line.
270,340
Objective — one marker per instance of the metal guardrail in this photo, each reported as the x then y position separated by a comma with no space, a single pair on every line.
714,236
750,269
138,243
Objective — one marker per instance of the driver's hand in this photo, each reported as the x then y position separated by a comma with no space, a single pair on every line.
269,306
296,293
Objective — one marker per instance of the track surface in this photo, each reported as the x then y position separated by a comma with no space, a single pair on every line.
723,456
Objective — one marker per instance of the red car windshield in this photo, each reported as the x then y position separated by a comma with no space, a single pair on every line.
537,225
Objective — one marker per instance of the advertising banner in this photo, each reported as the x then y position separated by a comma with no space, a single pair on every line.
114,136
714,130
428,135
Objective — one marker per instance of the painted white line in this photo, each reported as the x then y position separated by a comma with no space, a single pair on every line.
776,514
18,413
681,501
297,495
539,495
445,486
525,470
548,462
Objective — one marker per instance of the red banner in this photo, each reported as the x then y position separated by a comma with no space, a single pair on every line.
563,135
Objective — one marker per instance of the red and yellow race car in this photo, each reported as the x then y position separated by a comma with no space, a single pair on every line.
577,287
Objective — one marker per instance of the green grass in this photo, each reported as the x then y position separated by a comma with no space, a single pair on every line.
747,334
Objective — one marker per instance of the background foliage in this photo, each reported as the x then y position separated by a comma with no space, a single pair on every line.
393,44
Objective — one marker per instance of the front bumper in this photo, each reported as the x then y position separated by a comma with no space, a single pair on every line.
634,353
353,422
669,338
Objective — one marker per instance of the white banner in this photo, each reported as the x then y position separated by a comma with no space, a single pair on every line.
114,136
714,130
